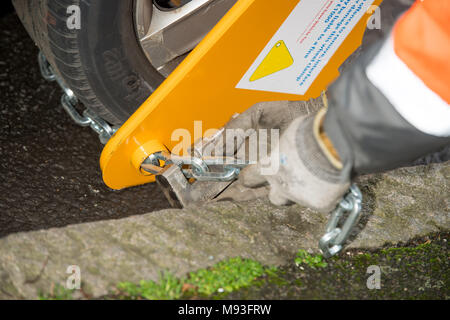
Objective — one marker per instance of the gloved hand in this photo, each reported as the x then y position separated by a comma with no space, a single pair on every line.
266,115
309,170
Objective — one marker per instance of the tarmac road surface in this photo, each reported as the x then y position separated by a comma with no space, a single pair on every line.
49,168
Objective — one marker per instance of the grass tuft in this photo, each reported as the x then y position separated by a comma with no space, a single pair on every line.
313,261
167,288
224,277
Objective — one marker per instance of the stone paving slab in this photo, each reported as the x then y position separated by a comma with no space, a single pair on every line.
398,206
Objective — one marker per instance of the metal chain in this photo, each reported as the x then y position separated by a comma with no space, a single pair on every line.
198,168
333,240
69,101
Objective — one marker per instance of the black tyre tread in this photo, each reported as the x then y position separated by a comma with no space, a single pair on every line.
113,76
67,61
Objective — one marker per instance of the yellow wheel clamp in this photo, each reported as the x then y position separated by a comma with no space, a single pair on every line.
262,50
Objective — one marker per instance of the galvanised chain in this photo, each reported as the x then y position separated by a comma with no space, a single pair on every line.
69,101
333,240
198,168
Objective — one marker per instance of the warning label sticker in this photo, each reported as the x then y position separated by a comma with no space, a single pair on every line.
303,45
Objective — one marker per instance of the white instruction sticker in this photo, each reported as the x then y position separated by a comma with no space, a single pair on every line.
303,45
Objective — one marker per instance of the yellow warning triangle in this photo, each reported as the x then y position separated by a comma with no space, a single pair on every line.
278,58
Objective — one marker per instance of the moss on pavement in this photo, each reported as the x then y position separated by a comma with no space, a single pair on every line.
417,270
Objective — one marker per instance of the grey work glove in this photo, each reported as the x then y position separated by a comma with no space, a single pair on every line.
265,115
307,173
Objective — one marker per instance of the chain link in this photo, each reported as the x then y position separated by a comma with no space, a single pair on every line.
69,102
334,238
198,168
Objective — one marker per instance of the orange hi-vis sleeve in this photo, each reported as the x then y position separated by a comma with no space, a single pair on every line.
422,42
